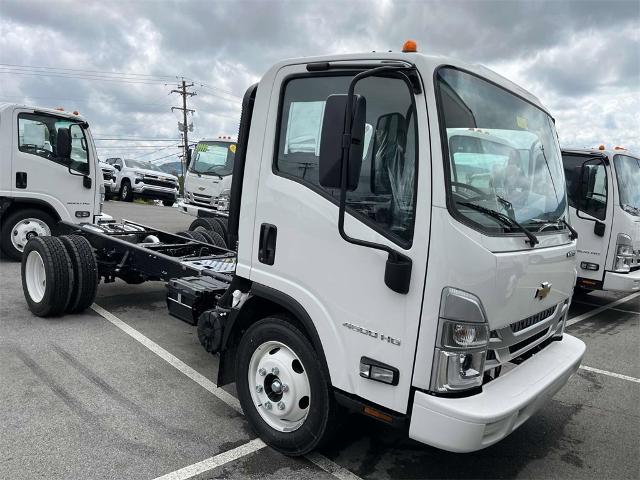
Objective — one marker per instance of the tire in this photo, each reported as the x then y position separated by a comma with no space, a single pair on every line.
206,223
277,342
199,236
85,273
22,225
168,203
222,228
217,240
207,235
185,234
45,261
126,192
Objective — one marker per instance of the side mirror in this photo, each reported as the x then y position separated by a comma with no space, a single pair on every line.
86,181
63,143
331,141
117,167
390,134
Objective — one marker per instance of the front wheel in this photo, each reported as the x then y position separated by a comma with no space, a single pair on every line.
283,389
21,226
126,192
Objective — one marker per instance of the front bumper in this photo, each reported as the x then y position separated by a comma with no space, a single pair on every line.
110,187
623,282
151,191
199,211
472,423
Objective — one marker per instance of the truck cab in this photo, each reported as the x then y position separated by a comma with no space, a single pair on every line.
207,181
603,187
50,173
403,248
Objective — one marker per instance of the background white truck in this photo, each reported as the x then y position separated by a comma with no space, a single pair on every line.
207,183
403,250
48,172
604,197
135,178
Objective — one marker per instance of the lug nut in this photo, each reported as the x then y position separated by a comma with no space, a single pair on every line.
259,388
275,370
285,388
262,372
268,406
280,406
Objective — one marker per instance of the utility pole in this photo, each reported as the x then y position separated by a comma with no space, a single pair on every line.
185,127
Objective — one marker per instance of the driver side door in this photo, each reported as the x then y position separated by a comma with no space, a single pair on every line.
38,173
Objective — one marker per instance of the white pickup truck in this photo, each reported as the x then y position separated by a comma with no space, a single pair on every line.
603,187
207,183
135,178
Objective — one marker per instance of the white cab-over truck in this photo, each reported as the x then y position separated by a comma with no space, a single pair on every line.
135,178
603,187
400,247
207,183
48,172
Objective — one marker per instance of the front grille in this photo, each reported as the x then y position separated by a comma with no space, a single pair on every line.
201,197
159,183
527,341
532,320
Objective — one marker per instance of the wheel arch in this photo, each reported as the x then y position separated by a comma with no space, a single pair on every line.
263,302
15,204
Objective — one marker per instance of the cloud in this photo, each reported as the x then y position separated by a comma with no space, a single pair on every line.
582,58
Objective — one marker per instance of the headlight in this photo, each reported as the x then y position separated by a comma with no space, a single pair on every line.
624,254
223,200
461,346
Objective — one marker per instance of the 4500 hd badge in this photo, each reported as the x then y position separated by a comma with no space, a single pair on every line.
371,333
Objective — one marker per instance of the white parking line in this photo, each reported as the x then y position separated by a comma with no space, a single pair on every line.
586,315
321,461
621,310
215,462
611,374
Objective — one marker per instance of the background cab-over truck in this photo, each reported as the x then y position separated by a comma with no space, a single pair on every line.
603,187
135,178
207,183
49,173
403,250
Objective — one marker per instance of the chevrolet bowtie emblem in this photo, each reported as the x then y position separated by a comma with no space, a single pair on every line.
543,290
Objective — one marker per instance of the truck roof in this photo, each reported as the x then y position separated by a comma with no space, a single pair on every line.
597,151
427,62
52,111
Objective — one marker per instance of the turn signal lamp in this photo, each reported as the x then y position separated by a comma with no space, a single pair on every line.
601,147
75,112
410,46
619,148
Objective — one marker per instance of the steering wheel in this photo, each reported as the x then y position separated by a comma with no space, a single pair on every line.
482,195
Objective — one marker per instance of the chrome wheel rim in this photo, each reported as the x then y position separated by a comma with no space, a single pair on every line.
25,230
35,276
279,386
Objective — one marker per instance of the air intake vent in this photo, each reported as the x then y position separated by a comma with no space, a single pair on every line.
532,320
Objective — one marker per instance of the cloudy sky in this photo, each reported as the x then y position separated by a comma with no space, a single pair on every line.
116,61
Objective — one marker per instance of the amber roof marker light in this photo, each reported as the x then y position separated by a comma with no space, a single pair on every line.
410,46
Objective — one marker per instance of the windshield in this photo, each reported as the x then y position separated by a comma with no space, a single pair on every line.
503,154
139,164
628,174
213,158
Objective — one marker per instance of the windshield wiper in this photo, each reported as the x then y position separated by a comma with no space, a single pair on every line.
212,172
533,240
558,223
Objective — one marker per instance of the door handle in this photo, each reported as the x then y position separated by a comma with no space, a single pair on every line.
267,247
21,179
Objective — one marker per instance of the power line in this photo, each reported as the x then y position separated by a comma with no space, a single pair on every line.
86,77
85,71
139,139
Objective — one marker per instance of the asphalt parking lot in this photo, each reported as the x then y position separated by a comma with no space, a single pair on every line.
124,391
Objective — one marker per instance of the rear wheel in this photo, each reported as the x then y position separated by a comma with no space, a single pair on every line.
216,239
199,236
126,192
85,272
185,234
282,387
19,227
47,276
208,223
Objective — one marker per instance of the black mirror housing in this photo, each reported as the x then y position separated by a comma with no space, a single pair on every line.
86,181
332,141
118,167
63,143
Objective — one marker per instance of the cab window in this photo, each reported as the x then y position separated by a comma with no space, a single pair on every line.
38,134
386,192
